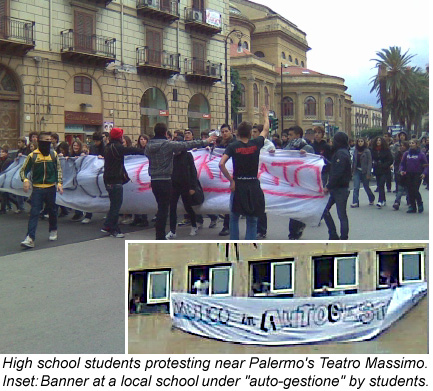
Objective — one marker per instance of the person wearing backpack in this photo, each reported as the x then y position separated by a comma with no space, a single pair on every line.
45,177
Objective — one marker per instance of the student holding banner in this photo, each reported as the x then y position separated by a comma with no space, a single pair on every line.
247,197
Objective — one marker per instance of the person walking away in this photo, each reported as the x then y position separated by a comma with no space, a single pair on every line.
382,162
160,152
297,143
338,187
361,171
46,178
414,167
246,196
399,179
115,176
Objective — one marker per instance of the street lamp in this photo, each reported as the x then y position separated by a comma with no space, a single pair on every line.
239,35
281,88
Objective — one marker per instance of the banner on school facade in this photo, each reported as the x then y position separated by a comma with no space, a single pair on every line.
273,321
291,183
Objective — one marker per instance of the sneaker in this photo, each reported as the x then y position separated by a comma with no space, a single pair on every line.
213,224
379,205
193,231
53,235
117,234
105,230
184,223
261,236
420,208
86,220
77,217
224,232
28,242
354,206
199,225
127,220
396,206
411,210
170,236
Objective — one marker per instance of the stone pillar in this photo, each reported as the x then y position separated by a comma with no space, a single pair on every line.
249,97
321,107
299,108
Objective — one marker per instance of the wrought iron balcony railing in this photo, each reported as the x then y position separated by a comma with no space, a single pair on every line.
91,44
168,6
18,30
195,66
158,58
196,18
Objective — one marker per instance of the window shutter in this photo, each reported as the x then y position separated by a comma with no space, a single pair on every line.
153,40
198,52
83,31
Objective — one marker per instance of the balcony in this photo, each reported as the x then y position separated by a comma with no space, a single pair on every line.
17,36
98,2
163,10
87,49
202,71
157,62
203,21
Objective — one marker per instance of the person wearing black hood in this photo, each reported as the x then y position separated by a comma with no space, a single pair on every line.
338,186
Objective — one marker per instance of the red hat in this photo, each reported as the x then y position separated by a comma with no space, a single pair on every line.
116,133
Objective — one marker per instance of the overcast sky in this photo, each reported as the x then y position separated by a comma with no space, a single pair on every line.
344,35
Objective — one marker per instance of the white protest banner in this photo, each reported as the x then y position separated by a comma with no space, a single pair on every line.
291,183
273,321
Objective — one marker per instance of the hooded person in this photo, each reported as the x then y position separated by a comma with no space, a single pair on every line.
115,176
338,186
46,177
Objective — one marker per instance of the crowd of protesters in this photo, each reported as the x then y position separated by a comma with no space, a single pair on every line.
173,176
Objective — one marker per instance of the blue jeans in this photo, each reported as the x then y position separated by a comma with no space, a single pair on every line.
39,197
359,177
251,232
338,197
401,191
115,193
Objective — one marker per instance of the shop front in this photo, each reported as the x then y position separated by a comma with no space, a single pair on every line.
153,109
198,114
81,125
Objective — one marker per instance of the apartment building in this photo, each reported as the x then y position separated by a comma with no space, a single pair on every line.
268,269
365,117
270,53
75,66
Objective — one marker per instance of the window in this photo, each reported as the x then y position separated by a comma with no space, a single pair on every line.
283,55
296,61
83,31
82,85
211,280
288,106
290,58
259,54
335,275
266,97
339,108
256,95
329,107
242,97
310,106
272,277
399,267
245,45
158,286
302,64
154,47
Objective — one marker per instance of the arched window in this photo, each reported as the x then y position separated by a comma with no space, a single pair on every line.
329,107
296,61
82,85
339,108
152,102
288,106
302,64
283,55
290,58
245,45
259,54
256,95
310,106
243,100
266,97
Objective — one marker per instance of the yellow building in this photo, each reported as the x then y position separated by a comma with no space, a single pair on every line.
268,269
365,117
273,64
73,66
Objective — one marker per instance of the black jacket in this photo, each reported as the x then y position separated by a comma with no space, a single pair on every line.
4,164
184,172
323,149
341,170
97,150
382,161
114,168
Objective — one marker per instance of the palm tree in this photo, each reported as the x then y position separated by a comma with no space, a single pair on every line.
392,83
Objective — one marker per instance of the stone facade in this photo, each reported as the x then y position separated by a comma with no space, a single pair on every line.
278,50
365,117
45,80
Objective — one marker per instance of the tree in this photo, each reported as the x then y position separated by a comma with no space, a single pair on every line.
236,91
392,83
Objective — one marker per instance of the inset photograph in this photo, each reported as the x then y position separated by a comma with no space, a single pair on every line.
277,298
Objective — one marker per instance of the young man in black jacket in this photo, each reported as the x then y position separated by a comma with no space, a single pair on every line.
115,176
338,187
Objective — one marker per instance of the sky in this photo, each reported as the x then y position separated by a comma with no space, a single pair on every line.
344,35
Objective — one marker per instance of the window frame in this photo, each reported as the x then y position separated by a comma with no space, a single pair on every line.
329,107
83,77
282,291
166,299
256,97
400,267
288,107
308,105
272,291
211,269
